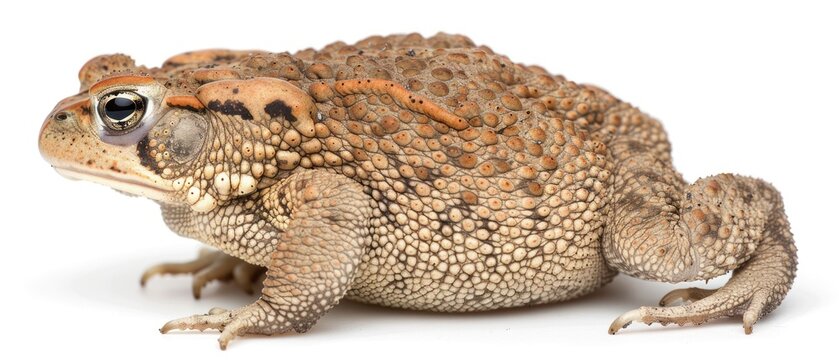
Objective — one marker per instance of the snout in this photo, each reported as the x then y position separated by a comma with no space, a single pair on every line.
66,129
69,142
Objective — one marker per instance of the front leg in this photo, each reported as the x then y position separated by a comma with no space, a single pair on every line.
313,266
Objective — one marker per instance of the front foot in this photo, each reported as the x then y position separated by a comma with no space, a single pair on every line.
257,318
314,262
703,305
210,265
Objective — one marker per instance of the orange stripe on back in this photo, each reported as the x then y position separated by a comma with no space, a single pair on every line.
404,97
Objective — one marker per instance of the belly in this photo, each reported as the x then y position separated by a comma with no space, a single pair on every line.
456,274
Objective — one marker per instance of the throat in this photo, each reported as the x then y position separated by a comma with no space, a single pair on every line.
236,228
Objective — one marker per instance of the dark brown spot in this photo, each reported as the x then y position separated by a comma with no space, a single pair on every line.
143,152
278,108
231,107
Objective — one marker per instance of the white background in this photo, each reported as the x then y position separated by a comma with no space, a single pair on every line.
743,88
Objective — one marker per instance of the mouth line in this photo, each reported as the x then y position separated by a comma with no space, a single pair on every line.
116,182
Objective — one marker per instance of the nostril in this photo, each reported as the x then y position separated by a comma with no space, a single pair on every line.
61,116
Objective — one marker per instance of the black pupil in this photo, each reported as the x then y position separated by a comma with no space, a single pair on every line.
120,108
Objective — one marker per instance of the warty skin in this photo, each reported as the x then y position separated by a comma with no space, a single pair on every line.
419,173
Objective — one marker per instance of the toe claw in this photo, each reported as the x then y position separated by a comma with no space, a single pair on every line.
196,289
624,320
167,327
225,338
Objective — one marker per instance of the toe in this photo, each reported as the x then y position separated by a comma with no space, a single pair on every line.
257,318
756,309
214,320
234,329
205,258
220,268
624,320
686,295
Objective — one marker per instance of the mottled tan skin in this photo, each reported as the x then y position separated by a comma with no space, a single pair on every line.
418,173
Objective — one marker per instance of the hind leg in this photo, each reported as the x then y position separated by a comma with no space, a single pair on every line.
662,230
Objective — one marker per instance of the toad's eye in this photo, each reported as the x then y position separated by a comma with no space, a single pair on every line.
122,110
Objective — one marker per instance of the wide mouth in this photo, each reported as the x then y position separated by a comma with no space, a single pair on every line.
118,181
